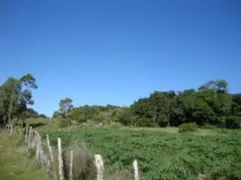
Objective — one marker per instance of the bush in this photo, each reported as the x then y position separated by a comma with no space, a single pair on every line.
83,166
145,122
233,122
188,127
37,122
64,123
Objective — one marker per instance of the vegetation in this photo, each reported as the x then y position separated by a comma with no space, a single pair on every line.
210,104
213,153
15,96
16,162
162,155
188,127
83,166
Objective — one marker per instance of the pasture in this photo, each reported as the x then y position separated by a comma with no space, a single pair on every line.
162,152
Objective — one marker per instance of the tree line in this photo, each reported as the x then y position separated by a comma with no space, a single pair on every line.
211,104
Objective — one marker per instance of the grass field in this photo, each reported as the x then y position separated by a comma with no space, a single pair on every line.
14,161
163,153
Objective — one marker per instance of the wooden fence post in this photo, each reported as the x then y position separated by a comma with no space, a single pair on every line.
51,156
26,135
11,129
71,166
99,164
50,150
61,173
136,170
29,135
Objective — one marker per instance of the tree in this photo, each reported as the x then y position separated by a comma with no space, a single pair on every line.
203,113
155,108
236,105
160,105
142,108
125,116
30,113
183,107
15,95
28,82
57,115
10,92
65,105
218,85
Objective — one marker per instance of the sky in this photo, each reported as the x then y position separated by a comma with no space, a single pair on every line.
117,51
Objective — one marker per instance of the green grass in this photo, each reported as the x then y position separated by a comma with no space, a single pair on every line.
14,162
163,155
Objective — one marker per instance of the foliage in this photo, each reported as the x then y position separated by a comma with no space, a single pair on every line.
162,155
15,96
37,121
86,113
155,109
233,122
211,104
65,105
125,117
188,127
64,123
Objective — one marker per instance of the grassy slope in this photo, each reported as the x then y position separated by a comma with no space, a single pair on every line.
14,163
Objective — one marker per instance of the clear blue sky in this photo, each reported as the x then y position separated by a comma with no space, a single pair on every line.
116,51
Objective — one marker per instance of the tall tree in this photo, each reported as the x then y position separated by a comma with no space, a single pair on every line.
10,97
160,105
28,82
65,105
15,95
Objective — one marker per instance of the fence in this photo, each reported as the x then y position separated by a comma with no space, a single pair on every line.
33,140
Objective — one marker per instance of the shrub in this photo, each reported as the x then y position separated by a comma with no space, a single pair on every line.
64,123
37,122
233,122
124,174
145,122
83,166
188,127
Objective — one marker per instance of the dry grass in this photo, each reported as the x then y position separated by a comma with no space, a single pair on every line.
83,166
124,174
